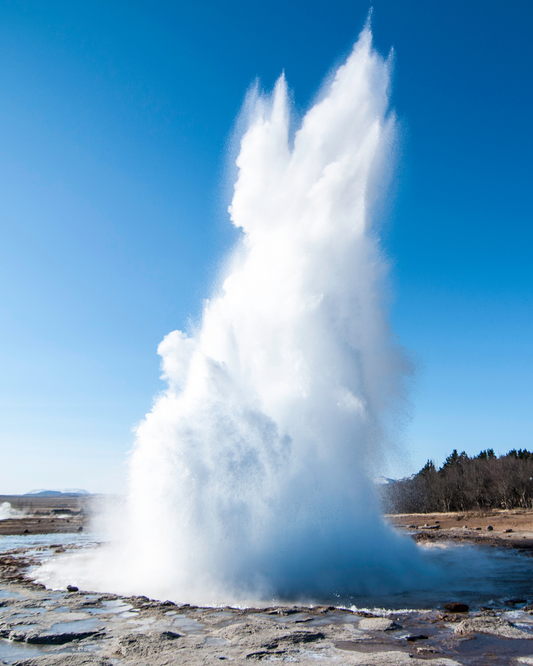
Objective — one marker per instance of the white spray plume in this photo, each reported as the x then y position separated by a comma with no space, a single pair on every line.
7,512
251,476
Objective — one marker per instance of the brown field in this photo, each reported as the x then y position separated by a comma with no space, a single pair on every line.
47,515
512,528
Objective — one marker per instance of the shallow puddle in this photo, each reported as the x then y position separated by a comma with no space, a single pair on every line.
75,627
24,627
7,594
111,607
482,648
188,624
11,651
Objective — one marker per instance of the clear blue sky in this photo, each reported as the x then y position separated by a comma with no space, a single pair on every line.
115,119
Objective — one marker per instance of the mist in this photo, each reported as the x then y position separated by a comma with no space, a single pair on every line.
251,477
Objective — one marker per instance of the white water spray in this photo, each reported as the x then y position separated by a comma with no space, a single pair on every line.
251,475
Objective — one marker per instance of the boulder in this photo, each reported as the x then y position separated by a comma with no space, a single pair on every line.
378,624
146,645
456,607
495,626
417,637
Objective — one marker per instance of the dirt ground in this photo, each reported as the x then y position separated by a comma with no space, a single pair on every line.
512,528
47,515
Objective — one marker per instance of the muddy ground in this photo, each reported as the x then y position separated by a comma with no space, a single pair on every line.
40,627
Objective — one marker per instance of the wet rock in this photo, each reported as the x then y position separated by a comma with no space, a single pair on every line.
495,626
378,624
65,660
138,600
283,643
489,610
296,638
263,653
456,607
146,645
15,636
59,638
449,617
427,650
323,609
396,658
287,610
418,637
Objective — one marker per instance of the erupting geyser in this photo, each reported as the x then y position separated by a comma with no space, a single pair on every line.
251,476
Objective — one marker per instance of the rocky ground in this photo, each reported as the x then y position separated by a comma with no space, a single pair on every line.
513,528
39,627
46,515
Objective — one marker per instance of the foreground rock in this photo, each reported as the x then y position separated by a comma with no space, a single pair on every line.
497,527
378,624
494,626
39,627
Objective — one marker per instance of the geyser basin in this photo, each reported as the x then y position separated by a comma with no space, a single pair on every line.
251,475
479,576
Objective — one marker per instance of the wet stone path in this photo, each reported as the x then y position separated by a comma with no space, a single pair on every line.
40,627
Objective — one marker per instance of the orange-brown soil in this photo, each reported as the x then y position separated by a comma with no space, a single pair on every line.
512,528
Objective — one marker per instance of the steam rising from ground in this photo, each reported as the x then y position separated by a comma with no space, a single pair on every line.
7,512
251,475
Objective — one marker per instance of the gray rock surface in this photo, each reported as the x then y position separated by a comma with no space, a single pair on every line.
495,626
39,627
394,658
378,624
66,660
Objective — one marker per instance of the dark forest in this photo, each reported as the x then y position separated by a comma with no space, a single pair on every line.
485,481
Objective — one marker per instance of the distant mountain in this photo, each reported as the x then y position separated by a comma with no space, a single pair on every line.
58,493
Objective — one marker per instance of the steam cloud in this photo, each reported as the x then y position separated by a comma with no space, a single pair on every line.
251,476
7,512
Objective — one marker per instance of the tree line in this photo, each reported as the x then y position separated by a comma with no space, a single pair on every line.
485,481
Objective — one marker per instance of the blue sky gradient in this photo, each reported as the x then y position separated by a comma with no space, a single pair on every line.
116,121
